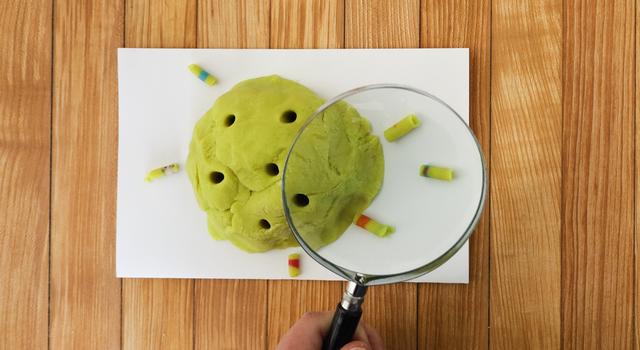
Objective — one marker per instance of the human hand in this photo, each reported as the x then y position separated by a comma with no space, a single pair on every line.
309,331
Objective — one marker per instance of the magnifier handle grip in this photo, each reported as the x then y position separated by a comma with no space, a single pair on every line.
342,329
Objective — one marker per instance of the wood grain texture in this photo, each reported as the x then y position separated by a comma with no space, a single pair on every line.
382,24
563,202
455,316
85,294
391,309
598,185
160,24
233,24
231,314
526,143
636,324
25,151
289,300
303,24
157,313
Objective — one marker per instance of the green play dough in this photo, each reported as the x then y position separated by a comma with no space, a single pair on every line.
236,163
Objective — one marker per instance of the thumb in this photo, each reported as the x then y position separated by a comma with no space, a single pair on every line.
356,345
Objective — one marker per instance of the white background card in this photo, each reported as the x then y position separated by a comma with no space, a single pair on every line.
161,231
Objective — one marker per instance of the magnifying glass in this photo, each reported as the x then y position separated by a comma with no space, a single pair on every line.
432,218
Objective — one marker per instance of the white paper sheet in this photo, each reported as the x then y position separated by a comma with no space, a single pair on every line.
161,232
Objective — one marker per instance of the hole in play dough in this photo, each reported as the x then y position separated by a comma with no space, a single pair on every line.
301,200
229,120
264,224
288,117
272,169
217,177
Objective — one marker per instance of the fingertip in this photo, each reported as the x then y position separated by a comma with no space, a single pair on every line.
309,315
356,345
374,338
361,334
318,318
312,326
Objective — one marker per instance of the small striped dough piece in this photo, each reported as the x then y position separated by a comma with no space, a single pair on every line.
162,172
378,229
436,172
294,264
401,128
203,75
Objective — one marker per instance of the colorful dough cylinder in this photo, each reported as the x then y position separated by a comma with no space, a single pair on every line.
202,74
294,264
436,172
402,127
162,172
373,226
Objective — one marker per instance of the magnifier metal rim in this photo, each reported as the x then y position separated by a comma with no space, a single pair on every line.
373,279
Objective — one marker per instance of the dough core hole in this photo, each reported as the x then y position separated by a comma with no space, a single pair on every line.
229,120
264,224
272,169
301,200
217,177
288,117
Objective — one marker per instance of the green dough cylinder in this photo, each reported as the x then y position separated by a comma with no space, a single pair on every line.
380,230
401,128
203,75
436,172
162,172
236,161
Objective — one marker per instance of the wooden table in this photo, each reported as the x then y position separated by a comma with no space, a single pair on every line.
554,91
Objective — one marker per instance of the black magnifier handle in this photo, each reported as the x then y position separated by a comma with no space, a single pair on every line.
346,318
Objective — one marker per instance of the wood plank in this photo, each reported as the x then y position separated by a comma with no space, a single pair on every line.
526,144
85,294
25,151
598,246
391,309
382,24
636,324
454,316
233,24
289,300
231,314
161,24
302,24
158,314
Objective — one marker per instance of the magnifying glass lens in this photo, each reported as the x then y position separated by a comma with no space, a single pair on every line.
361,203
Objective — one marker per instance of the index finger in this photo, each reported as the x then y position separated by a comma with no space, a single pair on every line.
308,332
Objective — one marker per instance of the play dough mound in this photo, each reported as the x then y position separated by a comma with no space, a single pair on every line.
236,162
